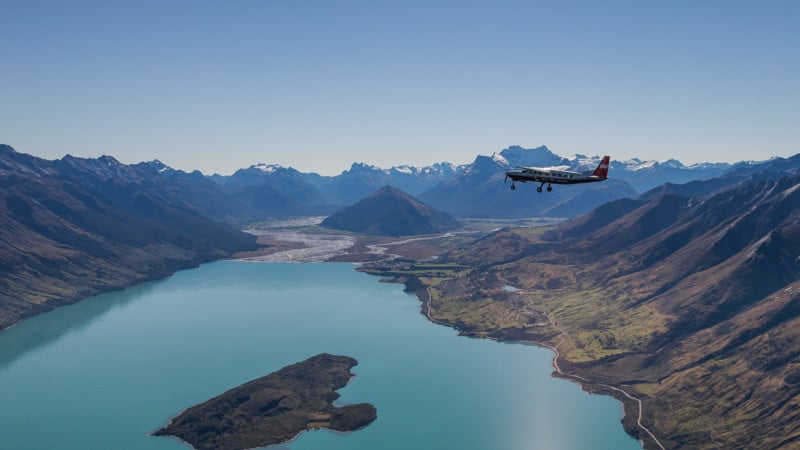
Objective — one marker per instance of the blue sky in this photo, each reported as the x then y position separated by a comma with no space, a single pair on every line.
317,85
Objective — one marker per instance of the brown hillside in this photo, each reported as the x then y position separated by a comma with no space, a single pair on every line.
689,304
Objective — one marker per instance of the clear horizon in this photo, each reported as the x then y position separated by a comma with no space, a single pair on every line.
320,85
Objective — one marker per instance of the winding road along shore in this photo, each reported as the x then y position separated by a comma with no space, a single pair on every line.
582,380
576,378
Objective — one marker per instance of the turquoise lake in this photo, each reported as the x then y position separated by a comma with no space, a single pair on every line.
105,372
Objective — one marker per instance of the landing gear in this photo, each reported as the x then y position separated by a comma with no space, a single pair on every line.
513,186
539,189
549,188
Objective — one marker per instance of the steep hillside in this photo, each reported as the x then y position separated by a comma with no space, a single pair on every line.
689,304
391,212
194,189
75,227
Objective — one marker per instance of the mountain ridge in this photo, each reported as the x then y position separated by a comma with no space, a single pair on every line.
75,227
265,190
446,185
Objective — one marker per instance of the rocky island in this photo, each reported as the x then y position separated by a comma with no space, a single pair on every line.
274,408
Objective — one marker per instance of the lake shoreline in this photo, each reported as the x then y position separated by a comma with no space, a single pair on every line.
633,410
249,321
369,253
80,295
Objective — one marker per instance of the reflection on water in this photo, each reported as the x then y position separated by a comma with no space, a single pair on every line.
45,328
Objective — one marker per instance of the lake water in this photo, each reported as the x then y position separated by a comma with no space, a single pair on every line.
105,372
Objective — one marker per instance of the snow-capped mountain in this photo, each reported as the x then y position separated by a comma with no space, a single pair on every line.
641,175
271,190
479,190
465,190
363,179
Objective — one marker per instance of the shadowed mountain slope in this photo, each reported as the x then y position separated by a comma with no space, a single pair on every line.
75,227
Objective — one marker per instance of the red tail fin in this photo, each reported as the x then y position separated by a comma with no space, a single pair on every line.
602,168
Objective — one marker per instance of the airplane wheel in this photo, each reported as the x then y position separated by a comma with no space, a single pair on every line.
539,189
549,188
513,187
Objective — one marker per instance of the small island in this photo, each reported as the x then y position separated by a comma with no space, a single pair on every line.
274,408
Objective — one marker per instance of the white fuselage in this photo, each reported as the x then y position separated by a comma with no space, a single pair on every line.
558,175
550,176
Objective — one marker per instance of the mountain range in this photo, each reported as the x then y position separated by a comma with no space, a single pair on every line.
75,227
477,189
469,190
687,297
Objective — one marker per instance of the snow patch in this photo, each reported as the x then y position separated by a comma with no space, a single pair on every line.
585,162
365,166
266,168
673,163
499,158
708,165
642,165
404,169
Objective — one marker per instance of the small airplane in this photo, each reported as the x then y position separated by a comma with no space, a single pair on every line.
556,176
